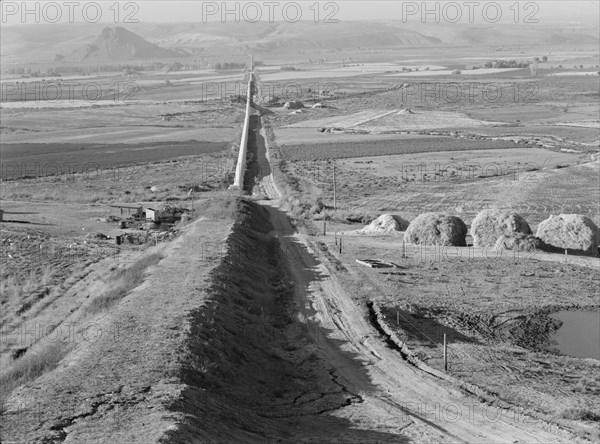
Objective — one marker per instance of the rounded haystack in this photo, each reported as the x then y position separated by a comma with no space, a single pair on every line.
489,225
519,242
317,208
437,229
386,224
294,104
572,232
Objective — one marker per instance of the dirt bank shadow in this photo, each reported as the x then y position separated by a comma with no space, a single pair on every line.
254,367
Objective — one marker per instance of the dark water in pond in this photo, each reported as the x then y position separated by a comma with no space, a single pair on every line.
579,336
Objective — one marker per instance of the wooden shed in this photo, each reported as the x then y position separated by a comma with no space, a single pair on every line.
152,214
127,209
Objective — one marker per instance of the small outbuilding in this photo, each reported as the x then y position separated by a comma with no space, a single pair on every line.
152,214
127,209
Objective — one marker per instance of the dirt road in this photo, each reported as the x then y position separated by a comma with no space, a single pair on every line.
407,402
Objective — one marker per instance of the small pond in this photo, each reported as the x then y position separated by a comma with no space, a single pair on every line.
579,335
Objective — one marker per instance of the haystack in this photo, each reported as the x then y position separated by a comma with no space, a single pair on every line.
386,224
489,225
575,233
294,104
519,242
437,229
317,208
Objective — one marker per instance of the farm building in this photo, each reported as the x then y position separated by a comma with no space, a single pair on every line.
128,209
152,214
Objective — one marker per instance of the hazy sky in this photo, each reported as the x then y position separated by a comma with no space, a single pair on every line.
156,11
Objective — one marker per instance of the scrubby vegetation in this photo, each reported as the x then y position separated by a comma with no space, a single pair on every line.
122,282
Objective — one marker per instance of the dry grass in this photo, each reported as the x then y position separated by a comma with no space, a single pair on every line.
30,367
219,208
122,282
10,288
14,286
579,414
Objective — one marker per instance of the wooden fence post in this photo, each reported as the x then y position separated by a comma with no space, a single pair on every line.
445,354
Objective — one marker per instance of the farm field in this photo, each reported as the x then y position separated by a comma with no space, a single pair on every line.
460,166
379,147
535,195
588,136
44,159
125,183
540,114
287,136
446,72
522,94
51,141
24,125
395,120
571,137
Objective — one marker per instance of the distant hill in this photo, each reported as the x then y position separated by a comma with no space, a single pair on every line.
95,43
118,43
277,37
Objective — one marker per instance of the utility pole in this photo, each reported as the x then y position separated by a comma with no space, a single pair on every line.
334,190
